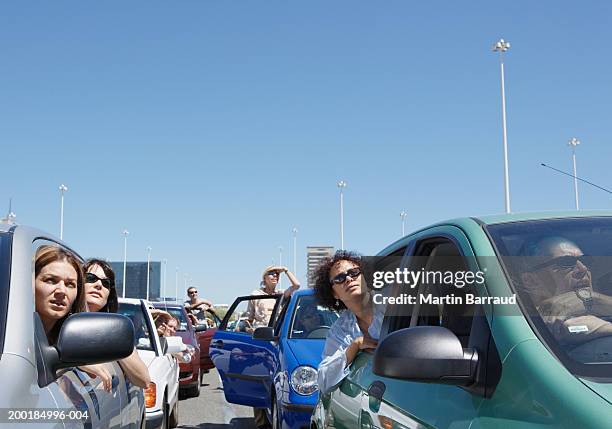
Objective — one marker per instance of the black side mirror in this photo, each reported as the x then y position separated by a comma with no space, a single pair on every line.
91,338
200,328
428,354
264,333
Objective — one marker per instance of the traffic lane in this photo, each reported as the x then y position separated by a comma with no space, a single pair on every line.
210,410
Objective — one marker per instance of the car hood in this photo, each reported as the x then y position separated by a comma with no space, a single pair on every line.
602,389
306,352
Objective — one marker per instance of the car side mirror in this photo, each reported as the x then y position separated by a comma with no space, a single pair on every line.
91,338
201,328
174,345
264,333
427,354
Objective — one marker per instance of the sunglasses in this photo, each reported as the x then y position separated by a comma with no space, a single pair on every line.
566,262
92,278
353,273
193,292
272,273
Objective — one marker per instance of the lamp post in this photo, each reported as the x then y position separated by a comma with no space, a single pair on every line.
573,143
502,46
176,283
62,189
280,263
148,268
294,231
164,275
403,215
125,235
341,185
186,275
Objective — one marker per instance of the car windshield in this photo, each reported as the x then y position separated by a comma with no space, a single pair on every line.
142,337
5,263
311,320
561,270
179,314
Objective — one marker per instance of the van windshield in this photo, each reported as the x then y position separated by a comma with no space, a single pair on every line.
5,264
561,270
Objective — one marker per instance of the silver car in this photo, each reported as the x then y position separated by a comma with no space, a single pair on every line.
41,383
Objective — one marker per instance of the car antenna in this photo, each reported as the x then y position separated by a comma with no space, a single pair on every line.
576,177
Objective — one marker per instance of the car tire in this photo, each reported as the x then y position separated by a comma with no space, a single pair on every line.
173,419
202,376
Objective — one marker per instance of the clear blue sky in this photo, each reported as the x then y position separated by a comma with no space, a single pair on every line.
209,129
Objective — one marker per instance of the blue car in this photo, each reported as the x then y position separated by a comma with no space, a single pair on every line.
274,367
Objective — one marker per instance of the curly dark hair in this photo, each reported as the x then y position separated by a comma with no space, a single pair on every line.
112,303
320,278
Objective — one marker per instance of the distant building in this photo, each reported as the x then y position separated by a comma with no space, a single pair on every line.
314,256
137,279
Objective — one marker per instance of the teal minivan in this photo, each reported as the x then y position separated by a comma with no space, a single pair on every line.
530,347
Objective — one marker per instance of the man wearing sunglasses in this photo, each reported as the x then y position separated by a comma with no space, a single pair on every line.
558,280
259,312
197,306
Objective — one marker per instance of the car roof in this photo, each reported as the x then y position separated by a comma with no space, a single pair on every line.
305,291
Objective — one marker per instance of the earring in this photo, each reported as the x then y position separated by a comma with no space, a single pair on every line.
337,303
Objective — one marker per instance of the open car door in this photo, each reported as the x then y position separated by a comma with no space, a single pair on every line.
246,366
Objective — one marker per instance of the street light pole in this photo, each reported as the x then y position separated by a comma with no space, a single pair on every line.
280,263
403,215
573,143
294,231
176,283
502,46
165,274
62,189
341,185
148,268
125,235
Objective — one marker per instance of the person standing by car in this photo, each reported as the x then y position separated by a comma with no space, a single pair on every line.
101,295
339,286
197,306
259,312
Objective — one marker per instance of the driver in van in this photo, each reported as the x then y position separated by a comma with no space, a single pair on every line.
558,280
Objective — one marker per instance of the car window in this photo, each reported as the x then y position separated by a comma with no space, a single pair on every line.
310,320
179,313
562,273
241,315
142,330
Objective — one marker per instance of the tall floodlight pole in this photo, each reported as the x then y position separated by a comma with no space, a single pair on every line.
573,143
164,275
294,231
501,47
176,283
341,185
280,263
148,269
125,235
403,215
62,189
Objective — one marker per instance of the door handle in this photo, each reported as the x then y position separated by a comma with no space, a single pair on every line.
218,344
377,390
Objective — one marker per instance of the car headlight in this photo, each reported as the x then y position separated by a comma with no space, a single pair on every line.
304,380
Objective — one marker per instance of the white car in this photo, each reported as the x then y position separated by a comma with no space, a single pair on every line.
161,398
40,382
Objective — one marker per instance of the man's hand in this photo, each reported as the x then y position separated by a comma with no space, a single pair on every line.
99,370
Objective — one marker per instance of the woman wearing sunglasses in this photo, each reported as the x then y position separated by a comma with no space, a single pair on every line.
101,296
339,286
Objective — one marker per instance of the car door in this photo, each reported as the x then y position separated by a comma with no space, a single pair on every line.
246,366
397,403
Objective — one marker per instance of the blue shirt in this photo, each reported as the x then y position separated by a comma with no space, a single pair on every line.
333,367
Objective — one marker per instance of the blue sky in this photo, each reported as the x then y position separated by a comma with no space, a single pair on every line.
210,129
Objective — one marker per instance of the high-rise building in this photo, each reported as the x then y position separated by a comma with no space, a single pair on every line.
314,256
137,279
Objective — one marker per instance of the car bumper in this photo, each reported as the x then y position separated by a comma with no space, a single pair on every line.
154,419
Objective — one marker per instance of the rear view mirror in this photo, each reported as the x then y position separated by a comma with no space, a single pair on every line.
175,345
91,338
201,328
264,333
428,354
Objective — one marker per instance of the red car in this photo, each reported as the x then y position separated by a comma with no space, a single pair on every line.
190,373
204,338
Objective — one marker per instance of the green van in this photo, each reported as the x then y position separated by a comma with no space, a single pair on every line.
530,347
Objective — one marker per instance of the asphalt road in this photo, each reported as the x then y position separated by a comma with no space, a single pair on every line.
211,411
